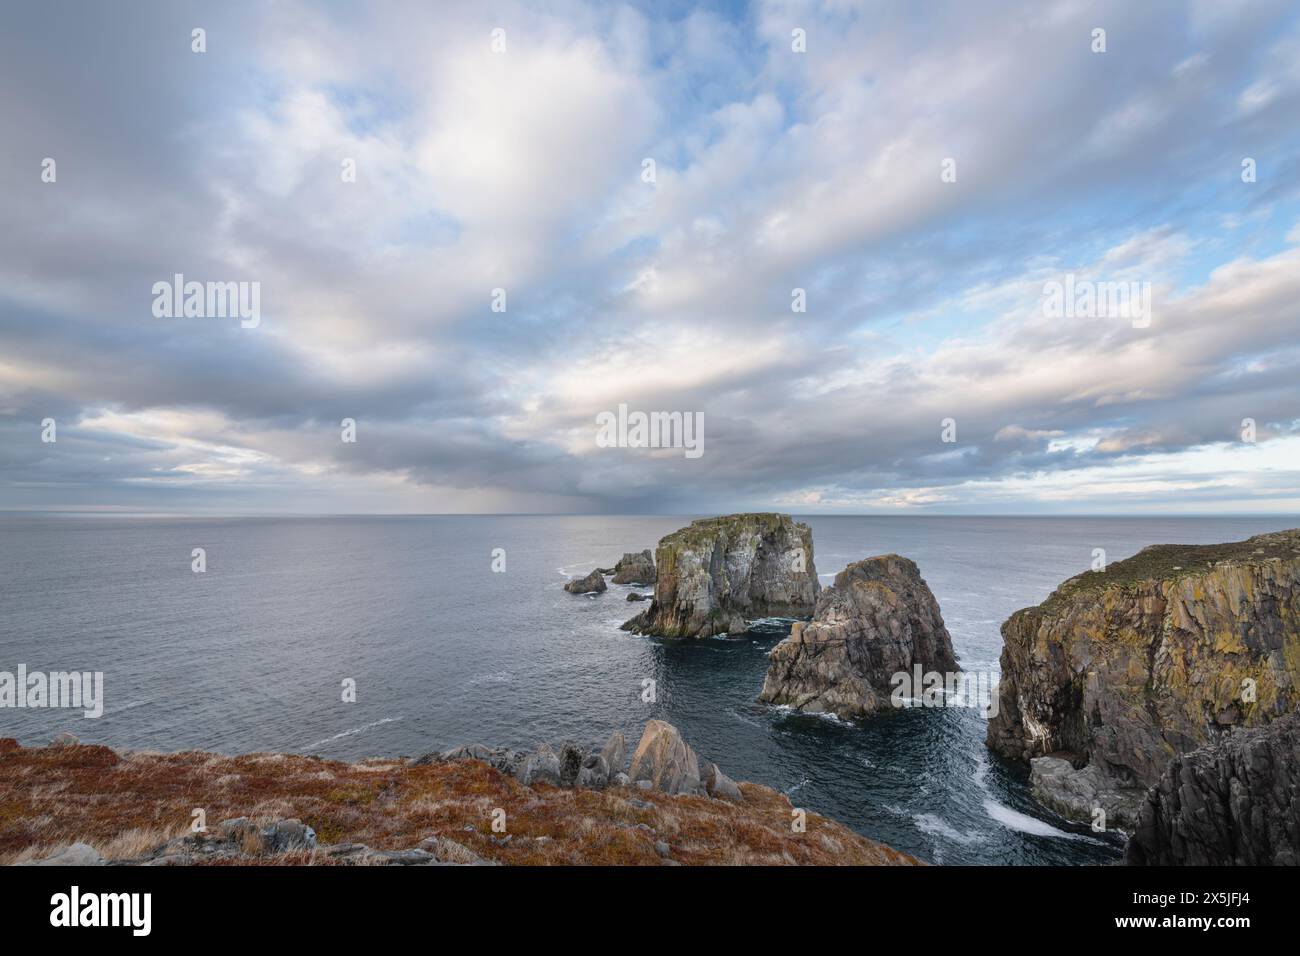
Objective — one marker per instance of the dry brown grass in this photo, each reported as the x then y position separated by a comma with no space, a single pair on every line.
123,805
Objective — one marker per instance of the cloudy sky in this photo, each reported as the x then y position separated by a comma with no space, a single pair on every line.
524,169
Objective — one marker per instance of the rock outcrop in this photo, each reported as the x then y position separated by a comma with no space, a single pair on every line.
719,573
1234,802
664,761
592,583
1078,794
877,620
635,569
1124,669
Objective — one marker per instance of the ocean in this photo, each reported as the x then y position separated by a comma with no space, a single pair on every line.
253,654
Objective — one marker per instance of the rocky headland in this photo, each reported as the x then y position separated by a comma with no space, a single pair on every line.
1121,671
717,574
1233,802
78,804
878,619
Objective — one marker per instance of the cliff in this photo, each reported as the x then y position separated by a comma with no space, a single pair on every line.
1234,802
86,804
718,573
877,620
1124,669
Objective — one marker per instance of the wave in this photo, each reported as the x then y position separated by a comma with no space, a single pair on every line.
1022,822
352,732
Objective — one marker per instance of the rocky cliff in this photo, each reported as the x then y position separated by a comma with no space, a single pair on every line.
1234,802
718,573
1124,669
878,619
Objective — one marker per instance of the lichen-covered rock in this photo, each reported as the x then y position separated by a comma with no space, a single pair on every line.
1234,802
878,619
1153,657
719,785
635,569
615,752
664,761
720,573
593,583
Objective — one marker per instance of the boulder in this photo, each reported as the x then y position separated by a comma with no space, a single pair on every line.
77,854
719,785
1127,668
635,569
664,761
593,774
540,766
66,739
571,758
291,834
877,620
634,596
1079,794
615,752
593,583
720,573
1234,802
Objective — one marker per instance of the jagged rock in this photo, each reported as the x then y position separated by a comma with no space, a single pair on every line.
1153,657
719,785
615,752
593,774
634,596
1078,794
571,758
540,766
592,583
719,573
878,619
1233,802
664,761
635,569
78,854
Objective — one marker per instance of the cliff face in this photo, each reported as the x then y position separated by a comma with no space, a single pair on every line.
718,573
878,619
1235,802
1126,668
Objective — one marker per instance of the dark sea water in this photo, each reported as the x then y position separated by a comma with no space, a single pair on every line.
251,654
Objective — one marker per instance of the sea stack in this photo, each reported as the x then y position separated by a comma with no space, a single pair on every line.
1122,670
635,569
878,619
717,574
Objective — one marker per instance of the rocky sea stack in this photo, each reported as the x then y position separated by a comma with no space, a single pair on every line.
1124,669
878,619
635,569
717,574
1235,802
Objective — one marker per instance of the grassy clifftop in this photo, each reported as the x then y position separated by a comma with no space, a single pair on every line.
125,805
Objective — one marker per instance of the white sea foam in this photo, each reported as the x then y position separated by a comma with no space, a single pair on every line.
352,732
1015,820
935,825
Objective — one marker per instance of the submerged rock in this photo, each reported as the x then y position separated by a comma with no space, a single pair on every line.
877,620
1125,669
1234,802
635,569
592,583
719,573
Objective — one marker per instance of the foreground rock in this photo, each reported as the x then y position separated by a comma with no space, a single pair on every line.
720,573
97,807
665,761
1234,802
877,620
592,583
635,569
1125,669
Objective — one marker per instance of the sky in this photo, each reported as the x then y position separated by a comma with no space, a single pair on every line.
475,229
